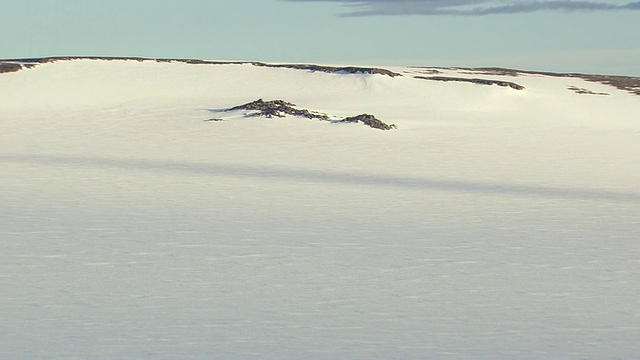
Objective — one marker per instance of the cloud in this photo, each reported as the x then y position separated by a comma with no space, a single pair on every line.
472,7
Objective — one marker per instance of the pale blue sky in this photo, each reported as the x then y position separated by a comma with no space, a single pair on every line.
604,40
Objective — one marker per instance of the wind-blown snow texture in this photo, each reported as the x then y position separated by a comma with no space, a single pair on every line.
494,222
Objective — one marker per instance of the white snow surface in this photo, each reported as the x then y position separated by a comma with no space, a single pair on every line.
492,223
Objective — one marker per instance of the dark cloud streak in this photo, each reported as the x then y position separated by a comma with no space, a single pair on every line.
471,7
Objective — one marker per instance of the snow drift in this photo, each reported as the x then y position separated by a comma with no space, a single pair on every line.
499,219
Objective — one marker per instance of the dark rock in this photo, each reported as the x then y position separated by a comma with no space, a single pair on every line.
333,69
430,71
630,84
578,90
493,71
626,83
368,120
9,67
278,108
474,81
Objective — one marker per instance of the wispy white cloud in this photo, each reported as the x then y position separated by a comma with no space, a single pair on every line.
472,7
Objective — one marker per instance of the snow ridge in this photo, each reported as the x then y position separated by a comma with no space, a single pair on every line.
309,67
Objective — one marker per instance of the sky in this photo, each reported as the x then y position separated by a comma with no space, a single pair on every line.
599,36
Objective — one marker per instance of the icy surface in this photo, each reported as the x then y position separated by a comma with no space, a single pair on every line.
493,223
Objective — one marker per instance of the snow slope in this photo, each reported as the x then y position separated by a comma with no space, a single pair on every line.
492,223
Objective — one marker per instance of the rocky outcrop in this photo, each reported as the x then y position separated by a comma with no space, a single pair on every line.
281,108
474,81
368,120
626,83
333,69
578,90
630,84
278,108
9,67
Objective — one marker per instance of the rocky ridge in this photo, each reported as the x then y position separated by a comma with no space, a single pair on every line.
278,108
626,83
369,120
307,67
473,81
578,90
281,108
9,67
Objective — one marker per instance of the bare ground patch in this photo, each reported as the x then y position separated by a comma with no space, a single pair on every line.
578,90
281,108
630,84
473,81
9,67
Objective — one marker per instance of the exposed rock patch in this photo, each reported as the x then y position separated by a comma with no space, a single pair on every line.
368,120
9,67
332,69
280,108
578,90
626,83
430,71
630,84
474,81
489,71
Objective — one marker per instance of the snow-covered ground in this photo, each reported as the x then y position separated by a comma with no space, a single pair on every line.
492,223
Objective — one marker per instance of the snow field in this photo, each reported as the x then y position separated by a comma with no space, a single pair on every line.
493,223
